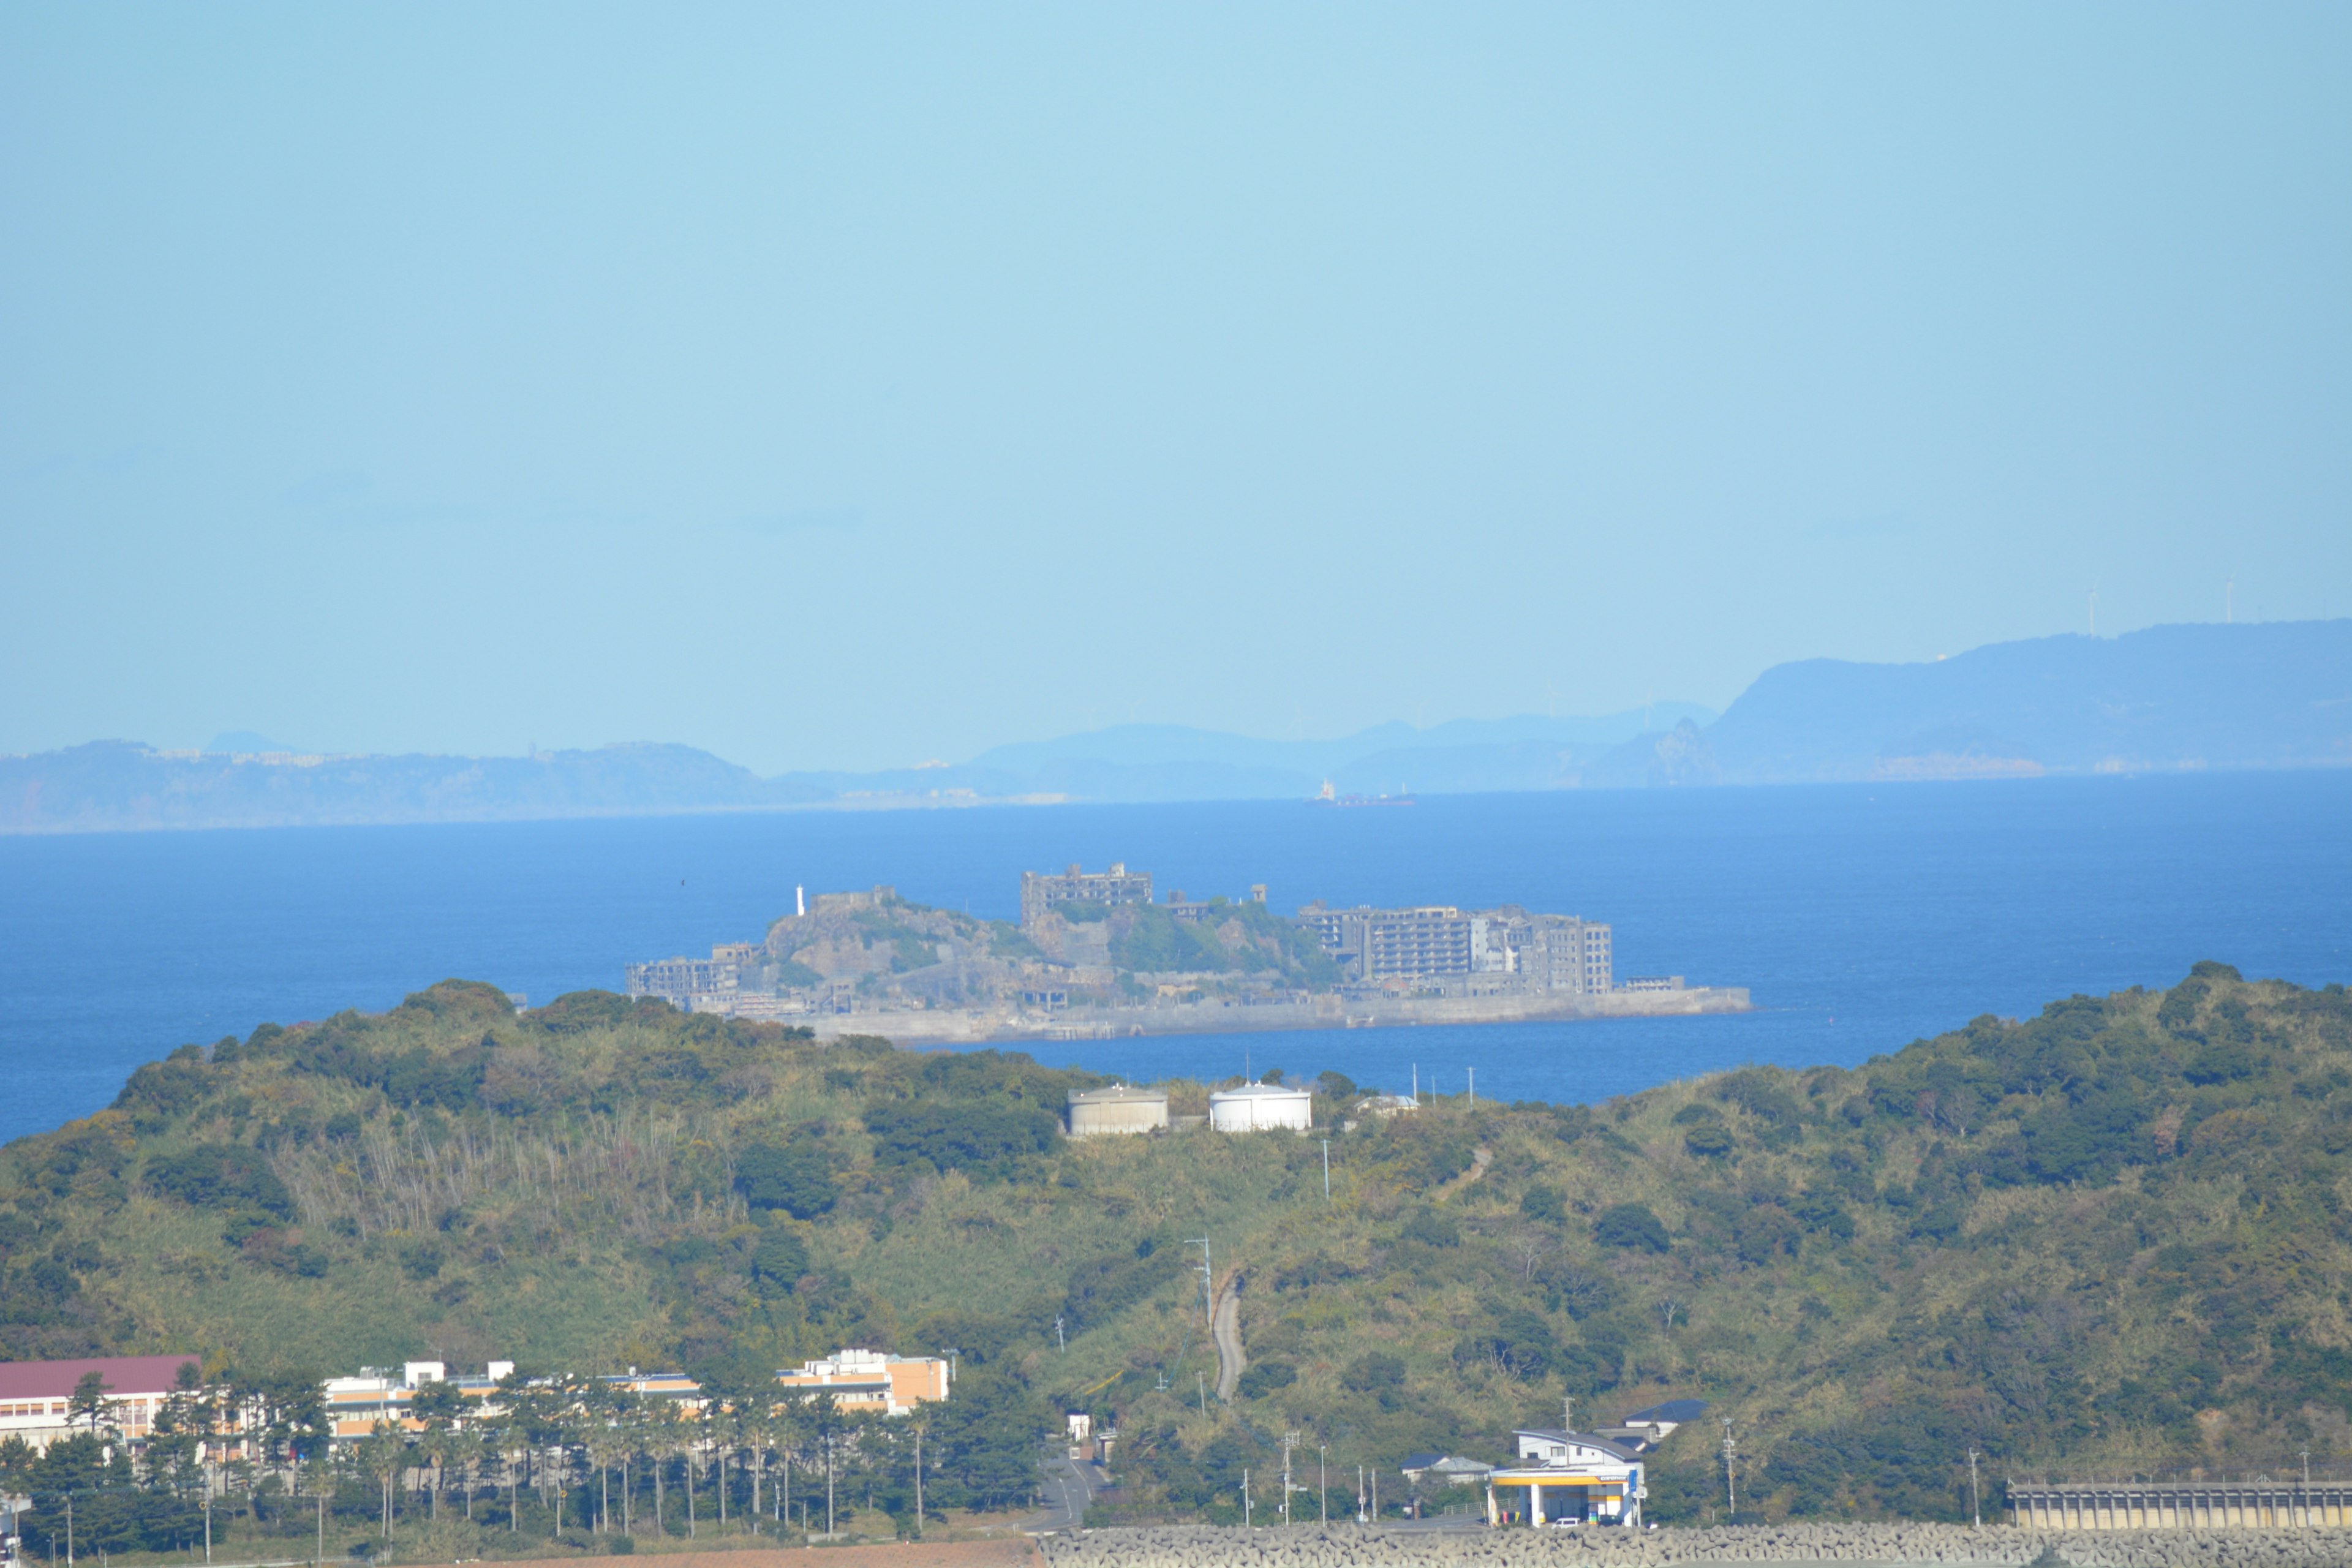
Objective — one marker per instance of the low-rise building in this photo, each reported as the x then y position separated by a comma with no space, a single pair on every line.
37,1396
1645,1430
674,1387
872,1381
357,1405
1194,911
1567,1478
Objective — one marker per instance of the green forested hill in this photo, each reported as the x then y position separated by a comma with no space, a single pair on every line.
2109,1238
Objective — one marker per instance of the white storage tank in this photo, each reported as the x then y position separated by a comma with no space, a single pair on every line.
1256,1107
1119,1109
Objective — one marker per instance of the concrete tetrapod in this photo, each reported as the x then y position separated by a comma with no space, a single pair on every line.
1353,1546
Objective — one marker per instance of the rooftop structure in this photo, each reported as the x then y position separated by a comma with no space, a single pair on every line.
1260,1107
871,1381
36,1395
1115,886
1119,1109
843,903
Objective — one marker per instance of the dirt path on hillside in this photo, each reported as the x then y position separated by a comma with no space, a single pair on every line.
1481,1159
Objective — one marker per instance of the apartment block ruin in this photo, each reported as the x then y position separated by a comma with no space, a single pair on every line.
1469,951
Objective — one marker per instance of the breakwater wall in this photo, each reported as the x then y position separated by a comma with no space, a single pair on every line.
1353,1546
944,1025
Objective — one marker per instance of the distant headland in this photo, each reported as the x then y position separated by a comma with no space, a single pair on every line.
2166,700
1096,956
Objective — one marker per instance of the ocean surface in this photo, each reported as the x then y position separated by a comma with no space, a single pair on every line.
1862,917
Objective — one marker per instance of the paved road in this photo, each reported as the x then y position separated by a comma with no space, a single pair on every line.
1226,1324
1069,1488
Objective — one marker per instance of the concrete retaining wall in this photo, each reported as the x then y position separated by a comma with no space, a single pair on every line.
961,1026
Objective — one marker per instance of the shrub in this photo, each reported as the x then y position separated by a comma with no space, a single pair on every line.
1708,1140
793,1177
1372,1372
975,1138
778,1260
222,1176
1630,1226
1432,1228
1264,1377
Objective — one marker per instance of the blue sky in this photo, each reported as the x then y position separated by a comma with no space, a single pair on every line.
857,386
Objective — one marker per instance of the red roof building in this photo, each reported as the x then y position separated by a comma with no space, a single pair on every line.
34,1393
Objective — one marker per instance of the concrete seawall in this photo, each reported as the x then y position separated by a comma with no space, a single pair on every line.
1354,1546
953,1025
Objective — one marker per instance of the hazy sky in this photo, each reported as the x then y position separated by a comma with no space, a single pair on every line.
863,384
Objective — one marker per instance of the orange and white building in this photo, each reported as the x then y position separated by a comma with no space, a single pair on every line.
356,1404
872,1382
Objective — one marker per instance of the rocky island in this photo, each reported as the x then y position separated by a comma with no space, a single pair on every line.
1096,955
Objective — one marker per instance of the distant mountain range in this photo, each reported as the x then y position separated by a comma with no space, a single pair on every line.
2277,695
2168,698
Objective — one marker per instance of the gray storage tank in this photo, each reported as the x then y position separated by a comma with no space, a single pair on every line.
1119,1109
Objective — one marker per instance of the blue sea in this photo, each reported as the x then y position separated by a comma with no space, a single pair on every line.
1862,917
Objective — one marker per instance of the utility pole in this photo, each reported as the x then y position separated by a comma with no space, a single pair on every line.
1359,1494
1975,1502
828,1486
919,1481
1730,1488
1327,1170
1474,1086
1208,1283
1059,1339
1245,1499
1323,1478
1567,1413
1202,1378
1289,1441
